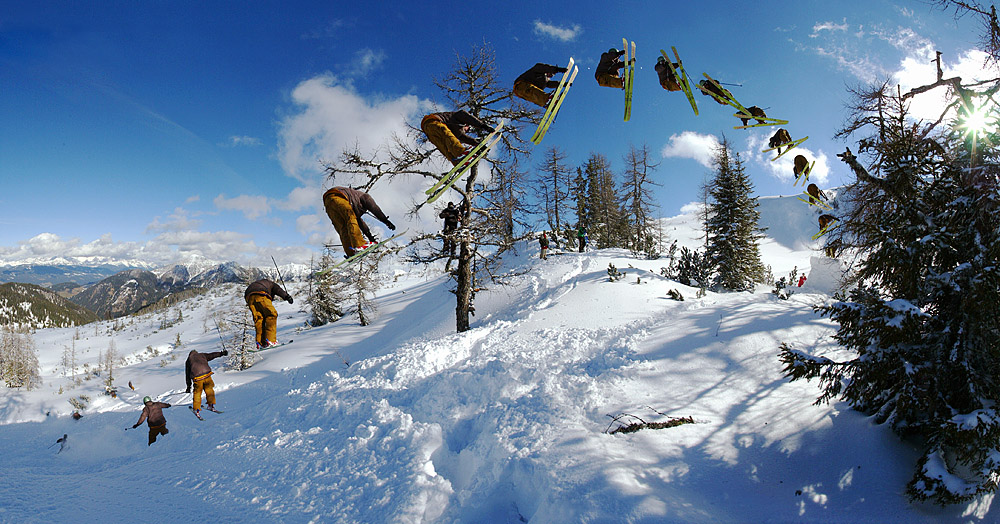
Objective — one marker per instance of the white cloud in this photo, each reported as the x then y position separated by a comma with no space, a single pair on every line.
366,60
565,34
689,144
252,207
782,168
237,141
176,221
917,70
193,198
828,26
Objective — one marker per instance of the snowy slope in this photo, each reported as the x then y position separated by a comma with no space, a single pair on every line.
503,423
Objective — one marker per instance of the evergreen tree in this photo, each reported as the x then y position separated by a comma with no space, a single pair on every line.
323,300
579,202
924,221
18,360
732,225
604,217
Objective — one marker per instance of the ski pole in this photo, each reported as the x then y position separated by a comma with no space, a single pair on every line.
279,274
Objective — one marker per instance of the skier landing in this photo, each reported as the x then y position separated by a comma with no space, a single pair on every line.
345,206
152,413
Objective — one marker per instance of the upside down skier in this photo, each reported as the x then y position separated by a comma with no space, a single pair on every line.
448,130
668,80
259,296
345,206
532,83
608,72
152,414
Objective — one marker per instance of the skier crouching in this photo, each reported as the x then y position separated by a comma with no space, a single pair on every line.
448,130
607,72
668,80
152,413
197,370
532,83
258,297
345,206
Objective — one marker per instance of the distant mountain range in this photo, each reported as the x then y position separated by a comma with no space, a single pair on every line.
81,294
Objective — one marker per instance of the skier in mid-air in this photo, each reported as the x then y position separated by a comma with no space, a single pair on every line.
532,83
152,413
197,370
258,297
345,206
608,69
668,80
448,130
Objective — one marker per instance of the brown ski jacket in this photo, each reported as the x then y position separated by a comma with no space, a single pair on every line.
540,75
197,365
455,120
152,413
267,288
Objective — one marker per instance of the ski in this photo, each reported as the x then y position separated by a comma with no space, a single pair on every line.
258,350
196,413
629,77
214,410
791,145
450,180
349,260
682,78
724,98
549,114
768,121
825,230
464,163
813,201
804,175
555,110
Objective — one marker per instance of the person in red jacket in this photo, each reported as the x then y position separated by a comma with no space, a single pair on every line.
532,83
258,297
152,413
345,206
197,370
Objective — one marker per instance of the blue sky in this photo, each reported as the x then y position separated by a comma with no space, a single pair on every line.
166,130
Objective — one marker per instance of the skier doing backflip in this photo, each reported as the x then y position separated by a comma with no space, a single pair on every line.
197,370
447,131
345,206
258,297
532,83
152,413
607,72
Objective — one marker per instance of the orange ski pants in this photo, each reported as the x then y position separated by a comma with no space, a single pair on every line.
205,383
531,93
610,80
265,318
339,209
443,139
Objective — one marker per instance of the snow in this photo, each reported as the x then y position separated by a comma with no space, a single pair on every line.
504,423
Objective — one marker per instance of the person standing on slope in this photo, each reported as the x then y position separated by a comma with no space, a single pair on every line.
532,83
258,297
197,370
345,206
581,237
152,413
447,131
451,217
543,244
607,72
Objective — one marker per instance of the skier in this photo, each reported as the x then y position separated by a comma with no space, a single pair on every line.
581,236
447,131
543,243
532,83
258,297
197,370
607,72
801,164
754,111
779,138
802,280
451,217
815,194
345,206
62,443
152,413
717,92
667,79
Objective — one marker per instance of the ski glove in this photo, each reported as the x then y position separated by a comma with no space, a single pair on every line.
225,352
390,225
290,301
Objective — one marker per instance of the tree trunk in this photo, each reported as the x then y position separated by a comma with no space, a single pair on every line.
463,292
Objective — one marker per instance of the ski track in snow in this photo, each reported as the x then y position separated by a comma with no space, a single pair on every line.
503,423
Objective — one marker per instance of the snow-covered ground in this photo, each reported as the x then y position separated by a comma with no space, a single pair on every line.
504,423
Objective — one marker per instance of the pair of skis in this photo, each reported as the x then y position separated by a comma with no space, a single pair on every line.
475,155
629,77
272,346
206,409
790,145
555,102
351,259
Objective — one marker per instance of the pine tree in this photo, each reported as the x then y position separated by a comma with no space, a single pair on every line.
18,360
732,226
553,187
604,217
922,326
323,300
579,202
